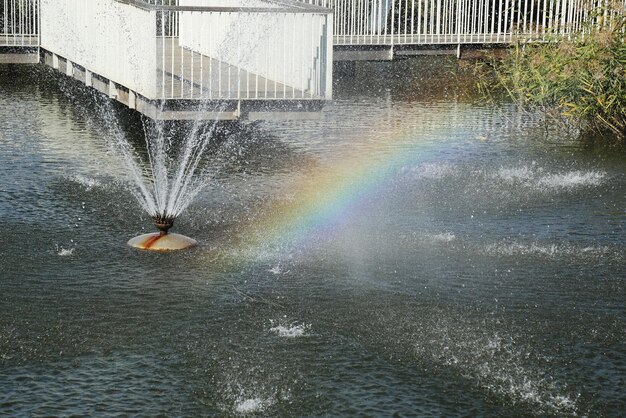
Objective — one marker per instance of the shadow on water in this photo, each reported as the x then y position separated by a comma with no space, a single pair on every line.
423,79
235,145
251,147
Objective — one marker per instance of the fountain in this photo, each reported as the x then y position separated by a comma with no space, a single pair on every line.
166,175
162,240
172,172
166,185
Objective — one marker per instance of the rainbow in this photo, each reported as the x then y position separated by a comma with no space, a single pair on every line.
333,191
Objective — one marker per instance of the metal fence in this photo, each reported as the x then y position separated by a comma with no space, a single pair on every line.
186,49
389,22
19,22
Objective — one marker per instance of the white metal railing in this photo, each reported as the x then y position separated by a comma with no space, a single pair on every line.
196,49
398,22
270,52
19,23
386,22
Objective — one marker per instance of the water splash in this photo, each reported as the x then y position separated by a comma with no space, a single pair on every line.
168,163
247,394
572,180
442,237
163,184
278,269
538,179
87,182
429,171
64,252
500,363
293,330
549,250
249,406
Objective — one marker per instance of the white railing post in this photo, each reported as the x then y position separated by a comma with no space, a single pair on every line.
328,56
393,21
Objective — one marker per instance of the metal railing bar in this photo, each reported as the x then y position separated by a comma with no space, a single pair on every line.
287,8
303,7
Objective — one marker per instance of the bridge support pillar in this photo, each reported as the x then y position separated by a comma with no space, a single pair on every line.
88,76
69,68
132,100
55,61
112,90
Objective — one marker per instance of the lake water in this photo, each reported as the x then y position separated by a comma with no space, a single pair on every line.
411,253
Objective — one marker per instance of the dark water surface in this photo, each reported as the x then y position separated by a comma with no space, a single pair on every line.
411,253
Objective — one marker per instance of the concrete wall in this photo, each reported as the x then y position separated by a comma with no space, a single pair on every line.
115,40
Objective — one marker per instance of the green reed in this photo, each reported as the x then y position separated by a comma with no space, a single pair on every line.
581,79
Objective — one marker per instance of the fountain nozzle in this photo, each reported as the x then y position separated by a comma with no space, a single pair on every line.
163,223
162,241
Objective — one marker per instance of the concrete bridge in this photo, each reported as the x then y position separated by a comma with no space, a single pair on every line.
183,59
226,59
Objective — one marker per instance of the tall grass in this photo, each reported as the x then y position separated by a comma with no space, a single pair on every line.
582,79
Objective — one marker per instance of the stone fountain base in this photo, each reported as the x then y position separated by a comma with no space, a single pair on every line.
158,241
